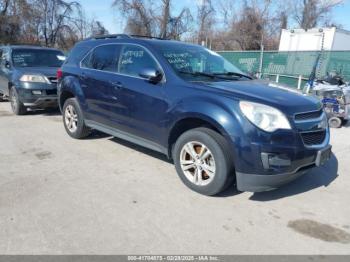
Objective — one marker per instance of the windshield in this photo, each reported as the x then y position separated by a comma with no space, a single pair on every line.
193,62
37,58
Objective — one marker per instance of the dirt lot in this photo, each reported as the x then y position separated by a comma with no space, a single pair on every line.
105,196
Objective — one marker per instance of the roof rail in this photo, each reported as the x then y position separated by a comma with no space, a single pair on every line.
117,36
123,36
151,37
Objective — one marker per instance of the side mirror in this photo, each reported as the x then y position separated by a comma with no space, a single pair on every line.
7,65
152,75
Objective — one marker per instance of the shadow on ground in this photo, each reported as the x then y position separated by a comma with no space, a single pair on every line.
141,149
318,177
44,112
315,178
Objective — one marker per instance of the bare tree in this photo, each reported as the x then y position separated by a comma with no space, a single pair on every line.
55,18
309,13
206,20
144,17
97,28
138,14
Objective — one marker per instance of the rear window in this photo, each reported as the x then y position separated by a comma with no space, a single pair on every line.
37,58
104,58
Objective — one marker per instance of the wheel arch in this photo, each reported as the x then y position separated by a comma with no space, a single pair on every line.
191,121
70,87
65,94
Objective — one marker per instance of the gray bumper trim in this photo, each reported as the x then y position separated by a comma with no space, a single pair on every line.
260,183
42,101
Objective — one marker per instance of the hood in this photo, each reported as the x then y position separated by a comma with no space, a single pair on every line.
46,71
285,99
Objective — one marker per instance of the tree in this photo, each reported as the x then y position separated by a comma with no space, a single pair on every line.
144,17
206,20
54,23
138,14
309,13
97,28
55,18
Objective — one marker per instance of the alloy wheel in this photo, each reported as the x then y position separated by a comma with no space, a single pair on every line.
197,163
71,118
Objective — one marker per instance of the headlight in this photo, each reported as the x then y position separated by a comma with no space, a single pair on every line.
34,79
265,117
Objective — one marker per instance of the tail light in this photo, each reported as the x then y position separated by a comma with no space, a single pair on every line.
59,74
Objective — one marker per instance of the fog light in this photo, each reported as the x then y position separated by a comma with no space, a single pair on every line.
275,160
36,92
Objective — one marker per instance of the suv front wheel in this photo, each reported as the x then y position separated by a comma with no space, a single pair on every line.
202,161
73,119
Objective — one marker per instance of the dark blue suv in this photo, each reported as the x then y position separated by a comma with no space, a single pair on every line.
216,123
28,76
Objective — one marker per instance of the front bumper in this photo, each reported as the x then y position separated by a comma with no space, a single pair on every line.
38,95
259,183
265,161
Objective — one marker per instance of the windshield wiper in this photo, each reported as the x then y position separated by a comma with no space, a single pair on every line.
233,74
197,73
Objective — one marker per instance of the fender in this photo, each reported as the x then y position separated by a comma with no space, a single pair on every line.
220,115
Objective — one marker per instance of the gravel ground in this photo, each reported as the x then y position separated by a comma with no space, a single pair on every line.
106,196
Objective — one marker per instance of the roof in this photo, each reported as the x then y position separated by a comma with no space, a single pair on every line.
31,47
153,41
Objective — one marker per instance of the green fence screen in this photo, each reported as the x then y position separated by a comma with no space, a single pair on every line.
291,63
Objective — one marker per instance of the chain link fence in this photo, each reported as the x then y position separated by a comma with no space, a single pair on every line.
292,68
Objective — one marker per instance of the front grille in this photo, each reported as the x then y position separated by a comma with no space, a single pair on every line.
314,138
51,92
53,79
308,115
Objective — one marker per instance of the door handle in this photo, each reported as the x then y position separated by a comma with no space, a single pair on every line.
117,85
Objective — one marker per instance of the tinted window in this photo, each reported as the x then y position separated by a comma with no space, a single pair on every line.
135,58
37,58
77,54
103,58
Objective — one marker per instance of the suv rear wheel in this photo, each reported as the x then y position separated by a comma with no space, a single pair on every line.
202,161
73,119
16,105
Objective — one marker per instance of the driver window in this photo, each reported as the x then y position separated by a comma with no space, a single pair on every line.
133,59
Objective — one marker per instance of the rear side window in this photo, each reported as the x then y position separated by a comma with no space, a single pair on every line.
133,59
104,58
76,54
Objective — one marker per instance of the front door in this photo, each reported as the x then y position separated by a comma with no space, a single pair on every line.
142,106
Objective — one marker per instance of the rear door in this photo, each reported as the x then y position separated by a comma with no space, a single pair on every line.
99,83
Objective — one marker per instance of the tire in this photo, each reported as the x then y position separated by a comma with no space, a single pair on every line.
208,175
73,119
16,105
335,122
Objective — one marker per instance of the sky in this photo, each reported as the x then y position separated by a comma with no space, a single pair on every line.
101,10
